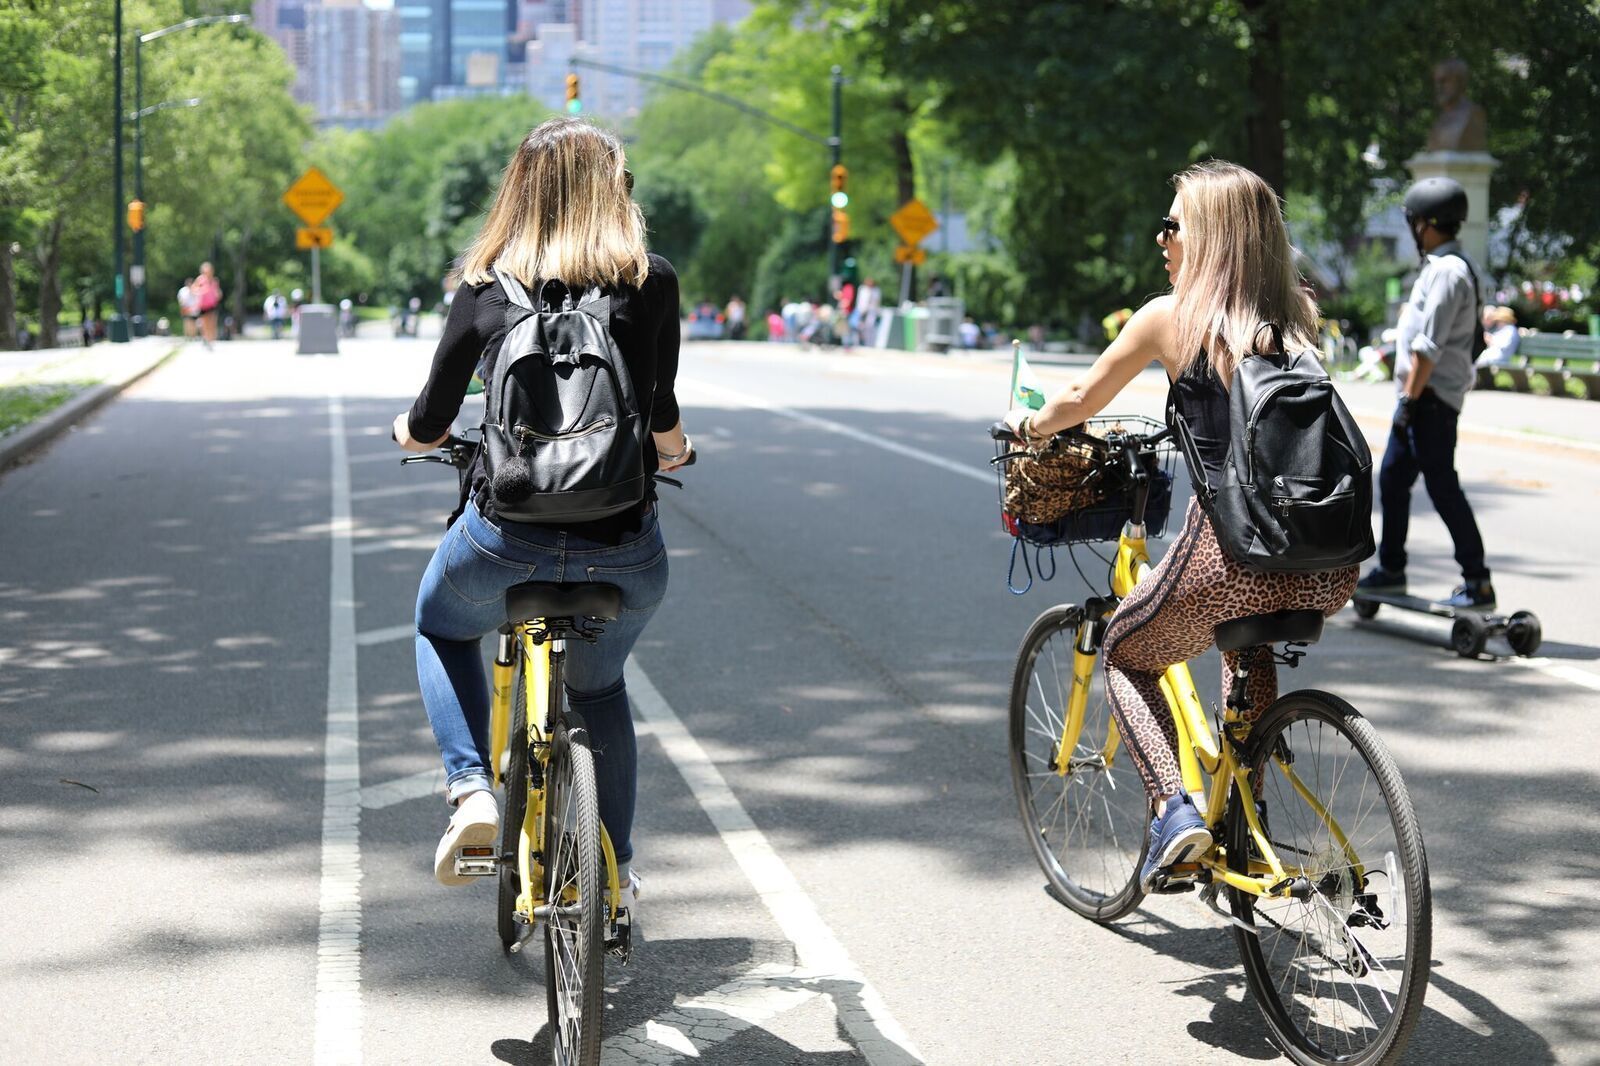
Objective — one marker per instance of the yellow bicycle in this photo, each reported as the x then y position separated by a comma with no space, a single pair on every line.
555,864
1317,846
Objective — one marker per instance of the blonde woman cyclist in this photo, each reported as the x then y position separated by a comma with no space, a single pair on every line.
563,216
1227,256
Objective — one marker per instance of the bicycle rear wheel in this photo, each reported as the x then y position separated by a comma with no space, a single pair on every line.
1339,974
516,810
574,884
1087,827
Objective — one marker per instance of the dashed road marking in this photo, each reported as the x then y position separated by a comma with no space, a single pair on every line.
386,634
863,1013
400,790
692,1026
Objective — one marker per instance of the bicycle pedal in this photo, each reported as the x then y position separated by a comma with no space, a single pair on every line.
1176,879
477,861
620,944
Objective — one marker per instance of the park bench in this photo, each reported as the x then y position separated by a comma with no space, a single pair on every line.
1549,364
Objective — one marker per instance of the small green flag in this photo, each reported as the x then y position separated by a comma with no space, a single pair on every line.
1025,388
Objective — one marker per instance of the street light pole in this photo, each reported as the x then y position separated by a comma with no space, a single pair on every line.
119,319
140,327
836,150
139,110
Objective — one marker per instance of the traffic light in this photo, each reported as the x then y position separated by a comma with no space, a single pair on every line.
841,226
836,179
136,215
574,104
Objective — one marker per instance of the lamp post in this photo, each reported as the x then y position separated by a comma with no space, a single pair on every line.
140,325
119,318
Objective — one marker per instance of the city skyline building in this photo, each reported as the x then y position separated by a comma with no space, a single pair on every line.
354,66
641,35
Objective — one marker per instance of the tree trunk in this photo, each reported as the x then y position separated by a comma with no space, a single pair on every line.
1264,126
241,260
50,284
8,298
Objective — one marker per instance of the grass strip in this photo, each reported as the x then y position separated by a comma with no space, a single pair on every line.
21,404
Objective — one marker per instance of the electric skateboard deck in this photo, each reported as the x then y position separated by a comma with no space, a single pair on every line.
1470,627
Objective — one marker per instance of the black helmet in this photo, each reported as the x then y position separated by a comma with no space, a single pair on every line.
1440,202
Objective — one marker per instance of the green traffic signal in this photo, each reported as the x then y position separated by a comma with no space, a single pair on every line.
574,106
840,200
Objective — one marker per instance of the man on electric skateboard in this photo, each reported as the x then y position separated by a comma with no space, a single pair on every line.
1438,339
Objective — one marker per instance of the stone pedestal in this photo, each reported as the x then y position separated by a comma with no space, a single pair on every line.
1472,170
319,330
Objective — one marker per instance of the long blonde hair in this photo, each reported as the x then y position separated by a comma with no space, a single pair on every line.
1237,280
563,211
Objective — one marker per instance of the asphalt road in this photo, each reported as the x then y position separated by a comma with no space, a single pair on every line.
209,571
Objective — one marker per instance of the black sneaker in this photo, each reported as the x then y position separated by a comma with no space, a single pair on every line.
1380,580
1470,596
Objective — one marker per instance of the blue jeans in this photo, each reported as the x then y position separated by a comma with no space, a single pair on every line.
1427,447
462,598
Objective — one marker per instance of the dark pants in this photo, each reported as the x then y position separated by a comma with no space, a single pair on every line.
1427,447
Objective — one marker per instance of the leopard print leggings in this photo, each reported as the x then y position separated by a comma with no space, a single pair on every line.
1170,617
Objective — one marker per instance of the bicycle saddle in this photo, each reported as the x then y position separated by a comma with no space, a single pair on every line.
1300,627
550,599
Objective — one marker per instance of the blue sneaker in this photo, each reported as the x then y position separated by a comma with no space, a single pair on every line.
1378,579
1470,596
1177,834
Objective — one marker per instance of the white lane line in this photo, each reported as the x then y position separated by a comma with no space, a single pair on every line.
386,634
692,1026
1563,671
879,1038
403,789
744,399
405,490
337,1040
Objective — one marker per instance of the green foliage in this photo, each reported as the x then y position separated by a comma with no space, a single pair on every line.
416,190
794,266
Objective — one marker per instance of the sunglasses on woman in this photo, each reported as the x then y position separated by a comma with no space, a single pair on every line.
1169,226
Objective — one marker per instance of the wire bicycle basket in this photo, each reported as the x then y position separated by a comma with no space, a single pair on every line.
1079,490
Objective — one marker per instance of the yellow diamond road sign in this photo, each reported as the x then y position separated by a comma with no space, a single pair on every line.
313,197
913,221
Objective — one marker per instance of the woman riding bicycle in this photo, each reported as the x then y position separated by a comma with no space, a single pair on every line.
1233,278
563,216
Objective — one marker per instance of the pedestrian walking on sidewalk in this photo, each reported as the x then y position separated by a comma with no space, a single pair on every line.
1434,352
189,309
208,298
277,311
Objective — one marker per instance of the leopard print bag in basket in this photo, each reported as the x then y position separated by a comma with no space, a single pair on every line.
1045,487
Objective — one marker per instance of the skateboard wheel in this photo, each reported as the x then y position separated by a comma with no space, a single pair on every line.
1468,635
1524,633
1365,608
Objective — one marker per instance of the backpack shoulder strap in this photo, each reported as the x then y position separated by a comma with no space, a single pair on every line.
515,293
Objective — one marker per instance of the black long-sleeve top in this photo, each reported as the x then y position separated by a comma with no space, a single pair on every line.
644,323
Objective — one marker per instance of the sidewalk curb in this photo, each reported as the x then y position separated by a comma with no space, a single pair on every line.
17,447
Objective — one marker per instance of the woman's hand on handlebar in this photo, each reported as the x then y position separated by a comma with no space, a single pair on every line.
401,435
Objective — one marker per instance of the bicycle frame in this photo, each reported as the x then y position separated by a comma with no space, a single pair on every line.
1202,756
542,673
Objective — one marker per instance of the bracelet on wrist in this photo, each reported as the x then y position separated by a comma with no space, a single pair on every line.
673,457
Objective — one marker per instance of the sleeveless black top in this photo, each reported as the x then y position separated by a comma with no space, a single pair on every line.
1197,394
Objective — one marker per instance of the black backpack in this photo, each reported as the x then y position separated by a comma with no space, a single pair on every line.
562,434
1296,487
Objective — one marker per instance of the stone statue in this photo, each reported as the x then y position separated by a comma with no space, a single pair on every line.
1461,125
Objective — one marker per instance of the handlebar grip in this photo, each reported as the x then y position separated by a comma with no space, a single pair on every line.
1001,431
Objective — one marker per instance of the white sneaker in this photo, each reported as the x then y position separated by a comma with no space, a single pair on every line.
630,900
476,823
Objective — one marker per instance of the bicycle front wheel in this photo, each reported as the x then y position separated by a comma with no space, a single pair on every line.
1340,972
1087,826
574,883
